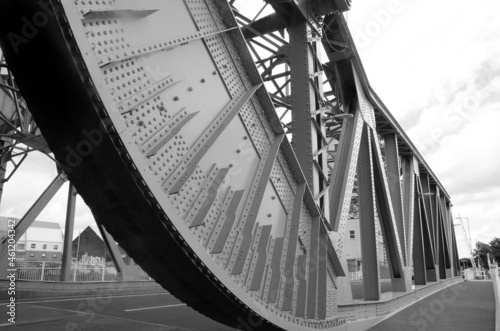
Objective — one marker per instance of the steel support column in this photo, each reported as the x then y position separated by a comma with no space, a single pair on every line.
393,176
113,250
388,223
409,204
429,208
68,235
344,169
429,256
303,101
4,159
367,220
419,268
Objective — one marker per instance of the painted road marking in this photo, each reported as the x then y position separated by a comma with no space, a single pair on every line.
85,298
156,307
92,313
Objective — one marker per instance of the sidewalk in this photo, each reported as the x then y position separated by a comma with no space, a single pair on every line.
465,306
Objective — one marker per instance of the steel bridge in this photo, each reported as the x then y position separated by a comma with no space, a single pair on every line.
225,148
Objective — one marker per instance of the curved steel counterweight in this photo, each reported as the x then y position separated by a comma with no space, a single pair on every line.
159,117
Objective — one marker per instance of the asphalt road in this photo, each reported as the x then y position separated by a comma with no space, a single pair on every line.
465,306
129,312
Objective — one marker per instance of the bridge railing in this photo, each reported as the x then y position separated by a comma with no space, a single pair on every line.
495,277
51,272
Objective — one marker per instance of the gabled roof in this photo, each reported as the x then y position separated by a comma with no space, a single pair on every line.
38,231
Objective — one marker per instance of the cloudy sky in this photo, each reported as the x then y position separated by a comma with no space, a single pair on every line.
436,65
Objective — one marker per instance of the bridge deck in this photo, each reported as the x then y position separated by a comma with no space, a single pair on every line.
464,306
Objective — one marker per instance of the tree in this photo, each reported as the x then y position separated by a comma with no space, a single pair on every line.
482,251
495,248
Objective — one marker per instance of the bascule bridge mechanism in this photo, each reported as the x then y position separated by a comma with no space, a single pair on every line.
224,145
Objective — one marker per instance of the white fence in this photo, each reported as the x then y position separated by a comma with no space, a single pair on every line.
46,271
357,275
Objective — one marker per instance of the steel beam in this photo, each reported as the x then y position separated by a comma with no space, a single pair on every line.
68,235
344,169
4,159
39,205
30,217
419,268
408,203
371,278
113,249
388,223
303,101
393,175
429,208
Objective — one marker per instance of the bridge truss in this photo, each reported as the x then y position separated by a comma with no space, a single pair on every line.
223,153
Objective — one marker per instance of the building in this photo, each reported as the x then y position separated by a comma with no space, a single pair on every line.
89,245
42,242
352,246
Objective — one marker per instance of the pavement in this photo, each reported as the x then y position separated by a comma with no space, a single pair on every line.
465,306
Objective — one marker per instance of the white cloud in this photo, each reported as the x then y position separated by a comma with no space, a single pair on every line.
436,66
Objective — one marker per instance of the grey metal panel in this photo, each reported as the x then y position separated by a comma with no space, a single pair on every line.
300,301
166,133
210,196
240,253
393,176
274,282
182,174
314,260
257,269
218,239
290,251
371,284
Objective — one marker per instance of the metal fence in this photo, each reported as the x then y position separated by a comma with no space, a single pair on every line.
356,275
51,272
